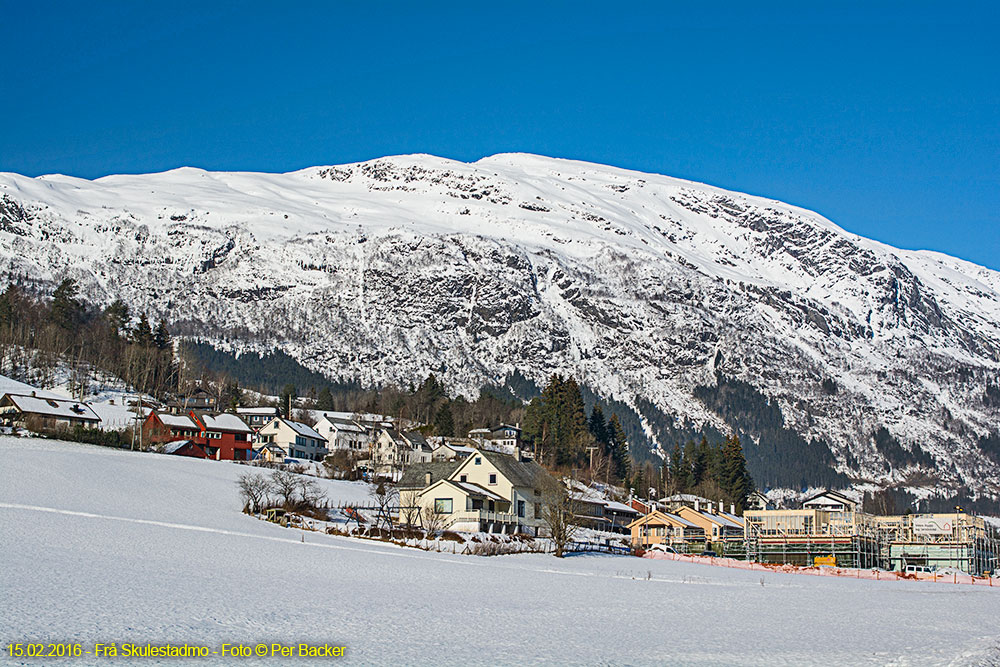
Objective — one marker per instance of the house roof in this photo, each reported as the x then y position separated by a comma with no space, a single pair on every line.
224,422
303,429
340,424
475,489
176,445
831,494
265,411
666,517
519,473
176,421
621,508
53,407
415,475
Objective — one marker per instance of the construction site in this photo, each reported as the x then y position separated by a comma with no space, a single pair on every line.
855,539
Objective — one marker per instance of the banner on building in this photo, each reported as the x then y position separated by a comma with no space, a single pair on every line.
929,525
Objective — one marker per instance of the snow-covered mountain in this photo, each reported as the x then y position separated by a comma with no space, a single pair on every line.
644,287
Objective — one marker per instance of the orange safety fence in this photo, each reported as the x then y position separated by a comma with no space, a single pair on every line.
826,571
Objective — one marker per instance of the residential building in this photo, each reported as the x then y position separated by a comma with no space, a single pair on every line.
344,434
668,529
720,527
225,436
257,417
161,427
502,438
449,449
395,450
199,399
33,411
487,491
185,448
299,440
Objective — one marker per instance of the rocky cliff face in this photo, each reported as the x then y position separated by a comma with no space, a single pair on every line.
642,286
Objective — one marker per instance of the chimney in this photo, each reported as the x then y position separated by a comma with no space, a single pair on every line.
32,394
732,508
722,506
697,505
427,479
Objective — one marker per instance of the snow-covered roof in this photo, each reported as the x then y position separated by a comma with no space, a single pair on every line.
225,422
476,489
303,429
176,421
680,520
53,407
619,507
732,517
339,424
172,447
265,411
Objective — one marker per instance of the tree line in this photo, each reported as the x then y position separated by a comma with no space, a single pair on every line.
41,333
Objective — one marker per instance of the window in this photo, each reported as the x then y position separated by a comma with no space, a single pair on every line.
478,460
493,478
442,505
520,508
463,478
538,510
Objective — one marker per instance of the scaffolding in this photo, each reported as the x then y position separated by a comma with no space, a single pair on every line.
860,540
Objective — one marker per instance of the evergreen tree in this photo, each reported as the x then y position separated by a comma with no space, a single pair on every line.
287,399
324,402
117,316
599,429
142,335
736,480
161,337
620,459
444,423
66,311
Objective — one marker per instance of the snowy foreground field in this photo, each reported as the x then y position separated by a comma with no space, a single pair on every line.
100,545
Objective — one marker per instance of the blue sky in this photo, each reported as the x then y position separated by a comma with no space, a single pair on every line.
883,117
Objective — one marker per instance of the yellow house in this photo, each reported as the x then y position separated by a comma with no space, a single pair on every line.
485,491
718,527
664,528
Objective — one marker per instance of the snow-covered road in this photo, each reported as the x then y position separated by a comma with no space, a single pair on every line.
99,545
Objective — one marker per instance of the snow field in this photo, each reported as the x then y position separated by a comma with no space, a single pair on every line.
105,545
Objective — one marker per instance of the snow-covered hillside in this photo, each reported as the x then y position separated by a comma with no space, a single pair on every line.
106,545
642,286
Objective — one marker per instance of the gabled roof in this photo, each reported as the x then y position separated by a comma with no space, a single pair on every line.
415,475
662,517
477,490
176,445
839,497
176,421
53,407
303,429
224,422
262,411
519,473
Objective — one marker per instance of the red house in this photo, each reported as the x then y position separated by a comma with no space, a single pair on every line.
185,448
225,437
162,427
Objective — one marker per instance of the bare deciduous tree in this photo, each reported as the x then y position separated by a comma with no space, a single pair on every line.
559,509
285,485
253,491
433,520
385,495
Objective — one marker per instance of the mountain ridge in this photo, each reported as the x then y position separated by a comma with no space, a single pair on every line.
641,285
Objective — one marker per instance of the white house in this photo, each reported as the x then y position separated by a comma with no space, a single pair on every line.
395,450
29,409
343,434
486,491
299,440
449,450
